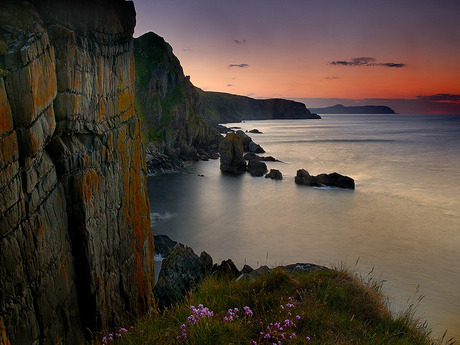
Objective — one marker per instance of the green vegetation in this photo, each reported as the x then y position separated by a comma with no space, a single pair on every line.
322,307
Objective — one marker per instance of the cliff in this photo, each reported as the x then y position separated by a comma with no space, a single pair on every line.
365,109
169,105
221,107
76,248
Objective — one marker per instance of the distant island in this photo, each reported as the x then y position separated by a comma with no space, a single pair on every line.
365,109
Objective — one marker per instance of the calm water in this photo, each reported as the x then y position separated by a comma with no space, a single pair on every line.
403,219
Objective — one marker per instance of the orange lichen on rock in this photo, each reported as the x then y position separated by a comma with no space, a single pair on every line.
3,338
6,120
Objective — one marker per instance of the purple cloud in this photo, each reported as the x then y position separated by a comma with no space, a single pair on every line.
366,62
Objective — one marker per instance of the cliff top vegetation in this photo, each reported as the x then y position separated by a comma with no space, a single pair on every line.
321,307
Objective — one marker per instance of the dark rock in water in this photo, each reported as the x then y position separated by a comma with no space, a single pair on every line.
251,155
181,271
248,144
255,131
257,168
332,180
274,174
303,177
231,154
226,269
336,180
303,267
164,245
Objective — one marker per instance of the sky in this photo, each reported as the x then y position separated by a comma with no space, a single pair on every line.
401,53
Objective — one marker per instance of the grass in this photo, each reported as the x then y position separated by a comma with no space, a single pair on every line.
322,307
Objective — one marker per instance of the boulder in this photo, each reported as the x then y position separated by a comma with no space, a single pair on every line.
181,271
257,168
231,154
331,180
274,174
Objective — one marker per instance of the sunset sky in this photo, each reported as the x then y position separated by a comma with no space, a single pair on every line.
401,53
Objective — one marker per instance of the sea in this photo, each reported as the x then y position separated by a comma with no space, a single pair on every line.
400,226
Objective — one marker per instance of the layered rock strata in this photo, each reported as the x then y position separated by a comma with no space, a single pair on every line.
76,249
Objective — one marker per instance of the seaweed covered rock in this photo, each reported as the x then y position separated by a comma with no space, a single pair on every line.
231,154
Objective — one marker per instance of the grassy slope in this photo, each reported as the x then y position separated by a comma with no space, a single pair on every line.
334,307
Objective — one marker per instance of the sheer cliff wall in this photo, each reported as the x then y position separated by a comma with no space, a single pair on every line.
169,104
76,248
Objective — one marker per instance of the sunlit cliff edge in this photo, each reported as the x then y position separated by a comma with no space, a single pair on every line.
75,238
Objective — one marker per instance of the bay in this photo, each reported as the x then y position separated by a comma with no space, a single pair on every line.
402,223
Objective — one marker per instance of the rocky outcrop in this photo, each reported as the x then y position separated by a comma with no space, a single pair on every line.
164,245
331,180
364,109
231,154
251,156
219,107
248,144
76,248
181,271
169,105
257,168
274,174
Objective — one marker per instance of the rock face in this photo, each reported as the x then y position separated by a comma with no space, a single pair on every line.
76,248
332,180
169,105
221,107
231,154
181,271
164,245
248,144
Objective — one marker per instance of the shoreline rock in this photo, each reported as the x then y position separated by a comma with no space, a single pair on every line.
182,270
332,180
274,174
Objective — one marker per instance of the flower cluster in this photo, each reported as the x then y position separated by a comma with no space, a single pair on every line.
197,314
232,314
279,332
113,336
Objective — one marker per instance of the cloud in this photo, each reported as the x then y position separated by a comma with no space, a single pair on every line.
441,97
239,42
241,65
366,62
332,78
